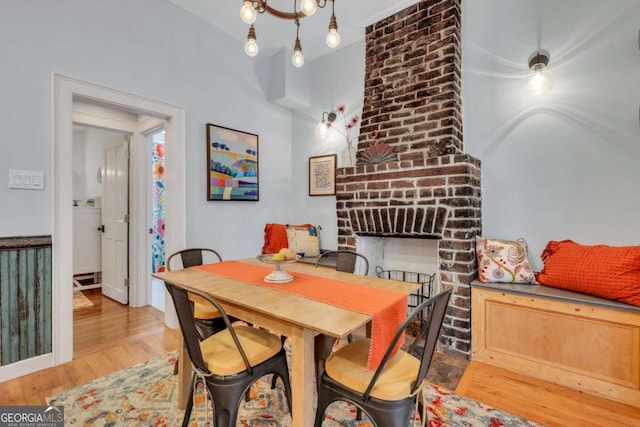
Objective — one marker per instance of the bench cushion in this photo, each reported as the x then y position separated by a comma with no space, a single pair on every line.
601,270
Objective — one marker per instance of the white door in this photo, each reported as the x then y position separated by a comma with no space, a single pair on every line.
115,222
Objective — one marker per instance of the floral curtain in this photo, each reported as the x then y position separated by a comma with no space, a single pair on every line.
157,248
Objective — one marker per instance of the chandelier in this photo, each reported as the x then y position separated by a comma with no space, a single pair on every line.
251,8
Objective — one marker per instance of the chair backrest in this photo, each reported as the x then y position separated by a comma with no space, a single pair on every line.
346,260
184,311
191,257
432,312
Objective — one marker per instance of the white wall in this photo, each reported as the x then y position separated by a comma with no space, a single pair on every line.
88,151
336,79
79,165
151,48
562,165
94,152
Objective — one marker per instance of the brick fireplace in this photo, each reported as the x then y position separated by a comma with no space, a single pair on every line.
413,103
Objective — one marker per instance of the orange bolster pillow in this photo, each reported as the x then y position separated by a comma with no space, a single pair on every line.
604,271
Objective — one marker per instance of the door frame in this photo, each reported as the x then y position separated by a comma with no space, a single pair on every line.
65,89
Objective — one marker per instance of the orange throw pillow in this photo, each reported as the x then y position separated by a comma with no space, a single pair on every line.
275,237
605,271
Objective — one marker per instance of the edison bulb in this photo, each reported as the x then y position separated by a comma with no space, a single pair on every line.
251,47
321,130
297,59
248,13
539,81
309,7
333,38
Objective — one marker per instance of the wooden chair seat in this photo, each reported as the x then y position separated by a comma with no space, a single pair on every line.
389,394
348,366
228,361
221,355
202,309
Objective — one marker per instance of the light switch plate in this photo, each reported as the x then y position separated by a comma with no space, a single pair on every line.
26,180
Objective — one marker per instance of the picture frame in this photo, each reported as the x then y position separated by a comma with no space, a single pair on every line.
322,175
232,165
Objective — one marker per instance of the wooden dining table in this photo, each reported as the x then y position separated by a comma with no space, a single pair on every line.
296,317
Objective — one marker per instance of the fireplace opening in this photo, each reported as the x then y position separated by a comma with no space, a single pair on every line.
404,254
407,260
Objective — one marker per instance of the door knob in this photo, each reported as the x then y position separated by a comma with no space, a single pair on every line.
101,228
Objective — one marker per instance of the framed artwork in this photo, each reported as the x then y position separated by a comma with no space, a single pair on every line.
232,164
322,175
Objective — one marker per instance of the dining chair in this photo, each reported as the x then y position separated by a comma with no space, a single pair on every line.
208,320
387,395
228,362
346,260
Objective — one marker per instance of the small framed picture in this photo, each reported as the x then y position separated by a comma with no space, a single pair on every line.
322,175
232,164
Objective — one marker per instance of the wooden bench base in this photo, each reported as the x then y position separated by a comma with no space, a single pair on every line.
588,347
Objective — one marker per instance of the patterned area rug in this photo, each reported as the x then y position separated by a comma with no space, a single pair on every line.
145,395
80,301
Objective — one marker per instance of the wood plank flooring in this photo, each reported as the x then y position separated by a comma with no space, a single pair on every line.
109,323
541,401
108,337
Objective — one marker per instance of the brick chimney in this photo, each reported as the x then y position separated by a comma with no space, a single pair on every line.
413,103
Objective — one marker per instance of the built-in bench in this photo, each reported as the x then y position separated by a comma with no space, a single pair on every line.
576,340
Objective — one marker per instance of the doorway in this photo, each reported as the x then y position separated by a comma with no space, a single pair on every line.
89,190
67,91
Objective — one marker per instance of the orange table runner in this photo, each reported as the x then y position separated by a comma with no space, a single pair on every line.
387,308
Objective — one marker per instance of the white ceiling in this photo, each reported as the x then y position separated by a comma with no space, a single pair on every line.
274,33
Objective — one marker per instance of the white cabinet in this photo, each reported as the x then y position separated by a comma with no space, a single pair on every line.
87,256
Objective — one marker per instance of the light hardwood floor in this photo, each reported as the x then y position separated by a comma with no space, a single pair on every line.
541,401
109,337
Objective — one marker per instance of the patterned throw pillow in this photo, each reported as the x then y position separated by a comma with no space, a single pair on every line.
304,240
611,272
503,261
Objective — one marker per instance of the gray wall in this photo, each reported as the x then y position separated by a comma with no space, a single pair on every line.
562,165
337,79
151,48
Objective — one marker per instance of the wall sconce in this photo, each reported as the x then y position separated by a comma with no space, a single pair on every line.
322,129
539,80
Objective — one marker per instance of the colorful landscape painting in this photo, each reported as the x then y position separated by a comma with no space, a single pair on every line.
232,171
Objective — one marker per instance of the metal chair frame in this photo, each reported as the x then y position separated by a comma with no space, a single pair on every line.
386,413
226,391
426,282
346,260
191,257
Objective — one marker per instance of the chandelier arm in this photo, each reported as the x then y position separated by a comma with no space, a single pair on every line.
264,7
